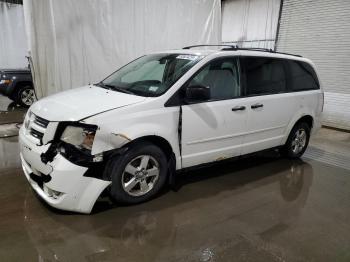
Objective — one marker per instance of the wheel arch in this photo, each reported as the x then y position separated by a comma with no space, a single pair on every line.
159,141
307,118
166,147
20,84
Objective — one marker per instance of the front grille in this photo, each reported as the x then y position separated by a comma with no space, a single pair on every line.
37,126
40,121
36,134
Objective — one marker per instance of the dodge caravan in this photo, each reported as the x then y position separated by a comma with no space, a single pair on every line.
163,112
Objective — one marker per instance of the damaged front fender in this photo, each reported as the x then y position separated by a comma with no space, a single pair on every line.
108,141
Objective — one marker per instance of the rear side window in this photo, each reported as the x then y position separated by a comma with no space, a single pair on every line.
303,76
264,75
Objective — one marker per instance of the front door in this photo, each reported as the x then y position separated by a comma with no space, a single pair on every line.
213,130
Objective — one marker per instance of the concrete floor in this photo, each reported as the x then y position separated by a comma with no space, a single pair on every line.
261,208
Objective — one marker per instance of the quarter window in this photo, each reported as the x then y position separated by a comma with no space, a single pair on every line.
264,75
303,77
222,76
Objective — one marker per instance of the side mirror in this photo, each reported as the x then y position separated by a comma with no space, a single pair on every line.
197,93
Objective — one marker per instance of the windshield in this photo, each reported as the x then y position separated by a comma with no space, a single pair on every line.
150,75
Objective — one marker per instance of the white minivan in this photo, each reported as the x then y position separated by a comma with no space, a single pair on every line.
128,134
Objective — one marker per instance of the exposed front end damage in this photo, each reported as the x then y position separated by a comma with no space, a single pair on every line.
63,176
67,140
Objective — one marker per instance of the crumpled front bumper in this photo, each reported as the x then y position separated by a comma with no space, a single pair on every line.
60,183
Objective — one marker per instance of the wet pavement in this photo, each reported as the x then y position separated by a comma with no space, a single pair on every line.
10,112
261,208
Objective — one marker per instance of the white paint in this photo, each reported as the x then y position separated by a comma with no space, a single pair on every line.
212,130
81,102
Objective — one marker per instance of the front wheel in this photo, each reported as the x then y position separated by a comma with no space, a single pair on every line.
138,174
297,141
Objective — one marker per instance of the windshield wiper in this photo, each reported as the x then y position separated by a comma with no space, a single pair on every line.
116,88
122,90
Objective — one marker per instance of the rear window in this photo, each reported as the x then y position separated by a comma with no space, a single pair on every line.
264,75
303,76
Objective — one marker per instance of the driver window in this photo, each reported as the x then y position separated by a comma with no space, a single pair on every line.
222,76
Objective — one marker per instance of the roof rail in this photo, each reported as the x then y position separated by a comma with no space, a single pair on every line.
249,49
228,47
282,53
192,46
257,49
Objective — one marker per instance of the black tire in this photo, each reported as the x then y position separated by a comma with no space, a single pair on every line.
13,106
116,167
288,149
20,97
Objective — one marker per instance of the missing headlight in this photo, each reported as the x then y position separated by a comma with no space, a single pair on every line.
81,136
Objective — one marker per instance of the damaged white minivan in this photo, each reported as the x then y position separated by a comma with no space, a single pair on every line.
163,112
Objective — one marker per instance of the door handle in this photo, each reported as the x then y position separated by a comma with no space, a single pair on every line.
238,108
256,106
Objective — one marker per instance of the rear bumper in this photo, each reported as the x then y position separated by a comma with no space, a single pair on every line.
66,187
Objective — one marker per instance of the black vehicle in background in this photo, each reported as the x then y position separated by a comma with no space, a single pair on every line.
17,84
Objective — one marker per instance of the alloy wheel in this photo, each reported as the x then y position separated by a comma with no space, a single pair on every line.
28,97
140,175
299,141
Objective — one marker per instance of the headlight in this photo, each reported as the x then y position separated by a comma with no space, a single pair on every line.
81,137
27,119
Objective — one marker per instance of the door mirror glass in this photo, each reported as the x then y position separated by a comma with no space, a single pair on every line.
197,93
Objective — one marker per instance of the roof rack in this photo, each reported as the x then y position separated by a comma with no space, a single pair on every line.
192,46
257,49
236,48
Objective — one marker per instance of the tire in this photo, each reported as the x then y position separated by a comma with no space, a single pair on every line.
130,174
297,141
13,106
25,96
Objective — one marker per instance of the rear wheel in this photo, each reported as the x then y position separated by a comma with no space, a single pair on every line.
25,96
138,174
297,141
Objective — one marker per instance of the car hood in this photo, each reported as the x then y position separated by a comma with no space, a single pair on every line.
80,103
